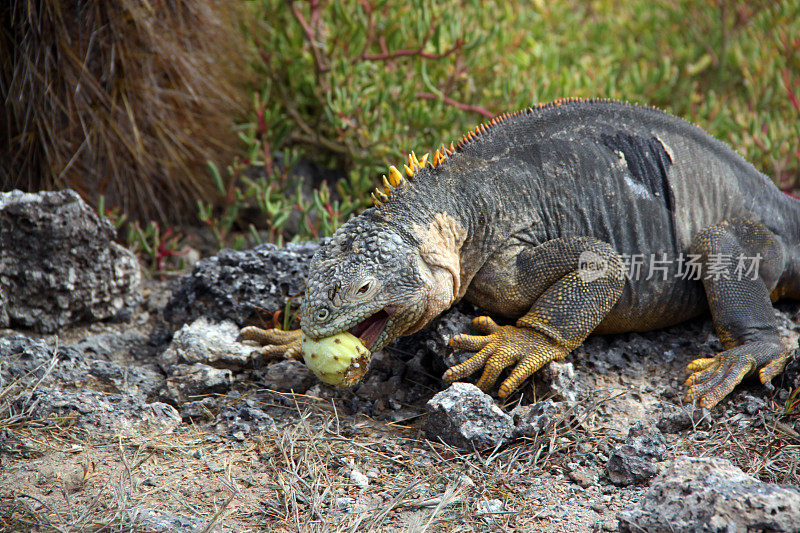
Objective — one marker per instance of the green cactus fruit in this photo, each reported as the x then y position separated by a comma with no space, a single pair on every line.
340,359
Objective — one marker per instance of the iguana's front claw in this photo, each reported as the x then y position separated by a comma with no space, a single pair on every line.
277,342
499,348
713,378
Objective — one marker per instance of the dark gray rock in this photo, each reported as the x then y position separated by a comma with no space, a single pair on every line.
790,379
628,352
675,418
34,360
709,494
116,346
114,413
285,376
538,418
244,419
465,417
37,361
127,379
59,264
187,381
209,343
200,410
635,461
245,287
431,343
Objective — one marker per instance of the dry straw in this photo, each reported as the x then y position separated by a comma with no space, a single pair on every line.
124,98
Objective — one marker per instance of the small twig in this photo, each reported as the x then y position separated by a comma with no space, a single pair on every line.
463,107
388,56
214,520
310,35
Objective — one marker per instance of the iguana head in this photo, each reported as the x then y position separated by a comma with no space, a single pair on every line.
369,280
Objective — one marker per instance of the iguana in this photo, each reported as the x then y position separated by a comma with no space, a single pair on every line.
539,216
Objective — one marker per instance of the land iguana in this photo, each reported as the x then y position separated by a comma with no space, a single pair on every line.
535,216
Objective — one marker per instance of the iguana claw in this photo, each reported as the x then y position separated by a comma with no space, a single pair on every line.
499,348
713,378
277,342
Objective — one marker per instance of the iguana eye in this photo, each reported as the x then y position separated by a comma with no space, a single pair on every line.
322,314
364,288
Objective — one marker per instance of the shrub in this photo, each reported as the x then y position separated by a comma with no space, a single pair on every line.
126,99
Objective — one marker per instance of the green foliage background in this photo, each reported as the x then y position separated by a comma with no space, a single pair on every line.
356,85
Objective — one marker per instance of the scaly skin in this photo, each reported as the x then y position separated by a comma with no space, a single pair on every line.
530,218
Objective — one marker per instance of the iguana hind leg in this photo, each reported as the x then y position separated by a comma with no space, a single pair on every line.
739,299
574,284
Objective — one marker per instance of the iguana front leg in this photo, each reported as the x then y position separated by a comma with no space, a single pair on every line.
574,284
276,342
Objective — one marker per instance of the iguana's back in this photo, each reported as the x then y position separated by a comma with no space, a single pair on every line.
637,178
590,165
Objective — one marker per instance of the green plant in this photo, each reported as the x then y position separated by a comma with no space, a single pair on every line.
357,85
156,250
792,405
114,215
155,247
258,181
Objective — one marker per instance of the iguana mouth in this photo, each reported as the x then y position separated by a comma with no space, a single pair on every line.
370,329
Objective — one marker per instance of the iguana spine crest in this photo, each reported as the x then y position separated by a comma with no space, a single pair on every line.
396,179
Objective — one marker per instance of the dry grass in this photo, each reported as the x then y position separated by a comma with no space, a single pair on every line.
126,99
297,476
767,448
292,478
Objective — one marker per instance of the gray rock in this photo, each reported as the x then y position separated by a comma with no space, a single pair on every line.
561,380
635,461
113,413
675,418
116,346
59,264
709,494
489,507
209,343
537,418
286,376
244,419
195,380
163,522
200,410
245,287
127,379
12,443
584,476
753,404
35,360
465,417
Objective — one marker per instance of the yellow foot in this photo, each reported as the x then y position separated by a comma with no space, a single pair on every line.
500,347
713,378
277,342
